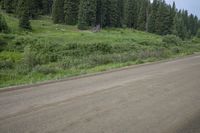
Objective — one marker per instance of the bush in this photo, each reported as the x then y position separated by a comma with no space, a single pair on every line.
149,53
10,56
3,44
95,60
98,47
3,25
42,52
9,59
151,43
8,36
171,40
82,26
22,69
74,49
119,48
29,58
196,40
123,57
20,42
100,59
7,64
45,70
176,50
68,62
47,51
198,33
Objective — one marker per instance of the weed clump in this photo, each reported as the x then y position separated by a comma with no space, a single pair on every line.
171,40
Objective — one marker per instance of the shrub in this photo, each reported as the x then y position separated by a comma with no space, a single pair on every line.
22,69
68,62
8,36
77,50
29,58
10,56
139,61
95,60
82,25
7,64
145,43
151,43
3,44
196,40
8,59
127,57
3,25
144,54
99,59
171,40
46,51
20,42
198,33
119,48
123,57
42,52
45,70
176,50
98,47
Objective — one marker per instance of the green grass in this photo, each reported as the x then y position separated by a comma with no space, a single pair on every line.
54,51
44,28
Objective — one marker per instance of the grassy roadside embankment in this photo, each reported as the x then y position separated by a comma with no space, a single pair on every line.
57,51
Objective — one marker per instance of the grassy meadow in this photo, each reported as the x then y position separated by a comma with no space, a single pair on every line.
53,51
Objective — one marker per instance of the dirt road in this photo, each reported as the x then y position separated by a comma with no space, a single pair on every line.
156,98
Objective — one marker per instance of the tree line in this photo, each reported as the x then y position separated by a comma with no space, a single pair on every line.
155,17
27,9
36,7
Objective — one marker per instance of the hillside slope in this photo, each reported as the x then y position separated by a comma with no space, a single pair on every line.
53,51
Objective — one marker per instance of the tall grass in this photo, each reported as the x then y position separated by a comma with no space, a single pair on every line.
55,51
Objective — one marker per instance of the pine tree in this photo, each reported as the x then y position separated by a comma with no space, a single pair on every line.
8,5
71,11
130,13
163,19
143,15
99,13
24,21
186,19
121,4
87,14
179,26
2,4
47,6
198,24
15,6
167,20
106,13
193,24
23,9
58,11
159,19
172,17
82,16
198,33
34,6
115,20
153,16
3,25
